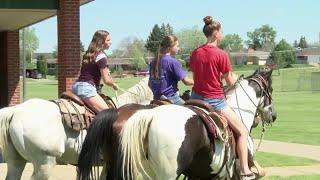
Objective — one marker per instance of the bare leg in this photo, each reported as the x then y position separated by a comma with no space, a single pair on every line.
242,135
96,102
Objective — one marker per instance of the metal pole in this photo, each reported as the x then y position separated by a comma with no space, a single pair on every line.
23,65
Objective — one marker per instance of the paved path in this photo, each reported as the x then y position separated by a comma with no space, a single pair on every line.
300,150
293,170
291,149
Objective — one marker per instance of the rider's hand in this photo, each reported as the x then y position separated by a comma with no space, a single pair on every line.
115,86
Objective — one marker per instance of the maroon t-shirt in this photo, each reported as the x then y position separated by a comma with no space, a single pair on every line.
90,72
208,63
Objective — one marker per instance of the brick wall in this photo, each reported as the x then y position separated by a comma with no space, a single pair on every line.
68,43
10,68
13,68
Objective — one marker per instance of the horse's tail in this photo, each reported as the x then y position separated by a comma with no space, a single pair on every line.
6,115
133,136
99,134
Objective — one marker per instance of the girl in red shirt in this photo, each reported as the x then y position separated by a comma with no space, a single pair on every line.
210,65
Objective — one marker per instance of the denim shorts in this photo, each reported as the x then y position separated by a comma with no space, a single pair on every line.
175,99
217,104
84,90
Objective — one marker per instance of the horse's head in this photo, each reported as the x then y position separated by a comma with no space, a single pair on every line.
261,82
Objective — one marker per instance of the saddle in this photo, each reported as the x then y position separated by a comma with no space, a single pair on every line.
76,114
212,119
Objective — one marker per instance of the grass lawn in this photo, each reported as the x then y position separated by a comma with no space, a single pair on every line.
308,177
298,118
298,111
273,159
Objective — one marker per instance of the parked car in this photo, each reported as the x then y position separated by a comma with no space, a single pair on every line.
141,73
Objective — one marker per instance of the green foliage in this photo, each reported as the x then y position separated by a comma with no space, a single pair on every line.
189,40
138,61
303,43
127,46
283,54
42,65
295,44
231,42
262,38
156,36
31,42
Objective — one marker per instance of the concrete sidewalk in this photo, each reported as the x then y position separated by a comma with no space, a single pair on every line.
291,149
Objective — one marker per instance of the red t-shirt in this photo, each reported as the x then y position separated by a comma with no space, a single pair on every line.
208,64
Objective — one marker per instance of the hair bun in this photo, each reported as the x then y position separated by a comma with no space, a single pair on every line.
208,20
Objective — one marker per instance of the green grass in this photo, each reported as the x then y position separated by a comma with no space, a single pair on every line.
273,159
298,118
298,111
308,177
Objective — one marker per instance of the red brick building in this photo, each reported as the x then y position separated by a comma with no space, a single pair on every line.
16,14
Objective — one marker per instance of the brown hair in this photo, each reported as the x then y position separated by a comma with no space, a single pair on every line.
164,47
210,26
96,46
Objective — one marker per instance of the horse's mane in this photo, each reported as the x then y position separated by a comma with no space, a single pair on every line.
139,93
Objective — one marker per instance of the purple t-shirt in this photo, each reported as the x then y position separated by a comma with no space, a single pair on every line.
90,72
170,73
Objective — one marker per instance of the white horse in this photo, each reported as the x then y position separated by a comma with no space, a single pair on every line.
170,140
33,131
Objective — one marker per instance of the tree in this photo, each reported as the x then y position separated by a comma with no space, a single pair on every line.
283,54
303,43
295,44
42,65
82,51
31,42
127,45
156,36
138,61
189,40
262,38
231,42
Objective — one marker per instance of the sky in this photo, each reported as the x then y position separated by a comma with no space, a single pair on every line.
127,18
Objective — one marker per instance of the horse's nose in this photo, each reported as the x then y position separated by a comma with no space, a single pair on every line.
274,112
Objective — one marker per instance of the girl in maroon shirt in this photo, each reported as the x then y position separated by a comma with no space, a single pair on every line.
93,69
210,65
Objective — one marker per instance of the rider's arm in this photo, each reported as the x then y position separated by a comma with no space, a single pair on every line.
230,78
106,78
187,81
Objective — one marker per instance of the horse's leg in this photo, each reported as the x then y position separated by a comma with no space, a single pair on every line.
15,162
42,170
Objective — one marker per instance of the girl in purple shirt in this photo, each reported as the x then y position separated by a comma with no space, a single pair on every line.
93,69
166,71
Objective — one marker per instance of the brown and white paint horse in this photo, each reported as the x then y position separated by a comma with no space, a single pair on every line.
170,140
33,131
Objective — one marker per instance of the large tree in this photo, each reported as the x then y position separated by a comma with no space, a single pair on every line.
283,54
31,42
302,42
127,47
189,39
156,36
138,61
231,42
262,38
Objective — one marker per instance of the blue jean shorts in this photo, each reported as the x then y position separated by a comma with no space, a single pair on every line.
84,90
175,99
217,104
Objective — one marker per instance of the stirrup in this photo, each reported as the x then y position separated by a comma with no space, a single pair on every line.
250,176
258,170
